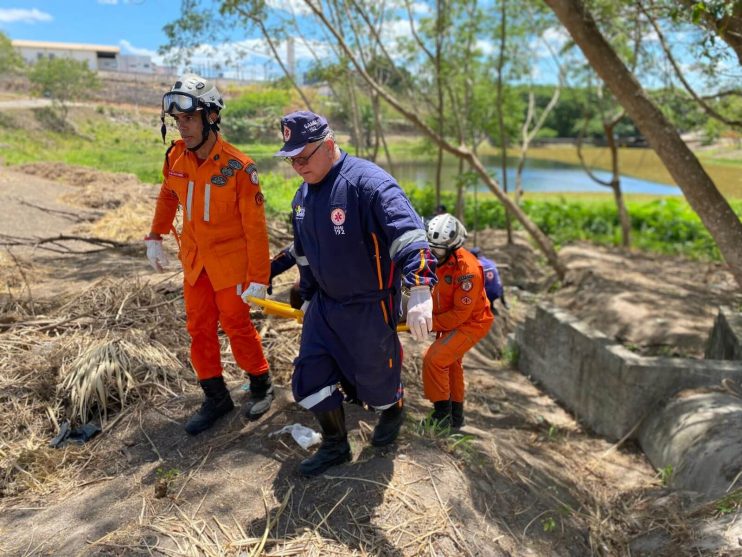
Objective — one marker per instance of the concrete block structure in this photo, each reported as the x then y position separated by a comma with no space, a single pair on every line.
675,407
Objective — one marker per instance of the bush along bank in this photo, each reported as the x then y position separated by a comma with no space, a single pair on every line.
662,225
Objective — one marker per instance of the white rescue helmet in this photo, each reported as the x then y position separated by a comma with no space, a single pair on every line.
445,232
190,93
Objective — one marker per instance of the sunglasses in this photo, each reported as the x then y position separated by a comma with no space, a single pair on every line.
301,161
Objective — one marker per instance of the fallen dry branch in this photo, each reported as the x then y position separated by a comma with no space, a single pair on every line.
56,244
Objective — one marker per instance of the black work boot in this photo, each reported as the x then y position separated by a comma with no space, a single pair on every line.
261,396
217,403
441,416
334,449
457,415
390,422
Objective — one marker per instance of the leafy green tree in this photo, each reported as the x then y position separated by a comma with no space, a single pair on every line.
10,61
253,116
63,80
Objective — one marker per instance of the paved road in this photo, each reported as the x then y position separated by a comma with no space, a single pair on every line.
31,103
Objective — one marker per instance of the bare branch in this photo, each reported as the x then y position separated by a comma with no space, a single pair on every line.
703,104
541,239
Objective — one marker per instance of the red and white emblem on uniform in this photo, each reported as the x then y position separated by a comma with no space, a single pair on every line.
286,133
490,275
466,300
337,216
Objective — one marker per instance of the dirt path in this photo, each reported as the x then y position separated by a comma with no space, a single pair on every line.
525,479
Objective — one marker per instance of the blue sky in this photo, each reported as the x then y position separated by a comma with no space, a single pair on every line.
129,24
136,27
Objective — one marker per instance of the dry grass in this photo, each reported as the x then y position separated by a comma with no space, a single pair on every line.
109,371
125,223
75,358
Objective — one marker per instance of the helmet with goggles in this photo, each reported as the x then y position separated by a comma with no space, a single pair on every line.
445,233
189,94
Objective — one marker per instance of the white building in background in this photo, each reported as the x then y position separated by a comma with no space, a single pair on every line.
98,57
135,64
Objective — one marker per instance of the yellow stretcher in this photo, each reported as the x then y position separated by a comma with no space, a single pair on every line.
281,309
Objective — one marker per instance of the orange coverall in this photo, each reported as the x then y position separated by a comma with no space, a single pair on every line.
223,247
461,318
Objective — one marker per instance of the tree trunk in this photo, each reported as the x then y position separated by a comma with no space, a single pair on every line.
501,114
700,191
623,213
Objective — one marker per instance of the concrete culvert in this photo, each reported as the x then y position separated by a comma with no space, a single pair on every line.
698,434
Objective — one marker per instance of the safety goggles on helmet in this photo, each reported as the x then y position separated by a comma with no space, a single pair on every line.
182,102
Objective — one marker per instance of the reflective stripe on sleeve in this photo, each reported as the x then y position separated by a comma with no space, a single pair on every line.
207,201
405,240
292,251
239,289
314,399
301,260
189,200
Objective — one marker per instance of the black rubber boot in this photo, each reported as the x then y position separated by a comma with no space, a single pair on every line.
334,449
390,422
441,417
260,398
457,415
217,403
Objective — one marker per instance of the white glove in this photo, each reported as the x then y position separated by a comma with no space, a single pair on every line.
420,312
256,290
156,255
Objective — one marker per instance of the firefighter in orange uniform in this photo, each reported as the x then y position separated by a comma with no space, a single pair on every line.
223,246
461,318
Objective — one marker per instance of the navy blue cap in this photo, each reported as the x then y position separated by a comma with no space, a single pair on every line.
300,128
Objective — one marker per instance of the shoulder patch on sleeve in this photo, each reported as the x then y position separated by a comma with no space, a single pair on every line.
252,171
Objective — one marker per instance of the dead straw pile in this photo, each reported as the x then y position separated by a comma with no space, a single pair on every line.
88,357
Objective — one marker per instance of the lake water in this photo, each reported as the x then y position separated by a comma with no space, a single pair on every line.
538,176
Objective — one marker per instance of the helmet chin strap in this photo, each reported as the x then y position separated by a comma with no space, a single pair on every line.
205,131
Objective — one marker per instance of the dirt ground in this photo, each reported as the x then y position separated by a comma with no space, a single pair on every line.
523,479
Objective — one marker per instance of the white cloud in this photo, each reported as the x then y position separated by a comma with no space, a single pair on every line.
418,8
16,15
110,2
296,7
131,49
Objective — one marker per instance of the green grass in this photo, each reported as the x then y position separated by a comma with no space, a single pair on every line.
663,225
119,141
111,142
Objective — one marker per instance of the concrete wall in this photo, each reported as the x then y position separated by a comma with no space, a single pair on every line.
609,389
725,342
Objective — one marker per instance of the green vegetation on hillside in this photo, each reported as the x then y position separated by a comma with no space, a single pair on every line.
664,225
114,140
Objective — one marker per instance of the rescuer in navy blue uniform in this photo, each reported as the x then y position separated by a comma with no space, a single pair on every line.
492,282
357,239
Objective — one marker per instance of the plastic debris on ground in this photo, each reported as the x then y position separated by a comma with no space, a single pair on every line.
305,436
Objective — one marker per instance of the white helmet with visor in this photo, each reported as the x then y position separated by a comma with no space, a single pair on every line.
190,93
445,234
